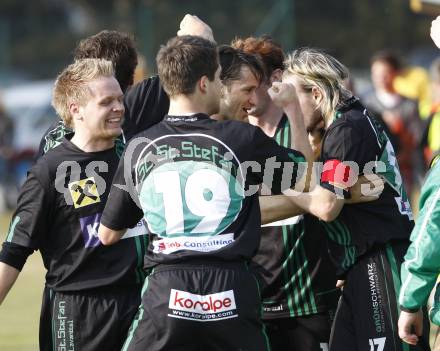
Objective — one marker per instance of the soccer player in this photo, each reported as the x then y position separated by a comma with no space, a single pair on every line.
145,103
299,295
421,267
422,262
92,291
367,241
241,74
189,174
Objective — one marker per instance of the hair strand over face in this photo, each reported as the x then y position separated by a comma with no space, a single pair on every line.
317,68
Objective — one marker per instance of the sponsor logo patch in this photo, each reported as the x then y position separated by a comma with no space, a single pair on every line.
202,308
201,243
404,207
90,225
84,192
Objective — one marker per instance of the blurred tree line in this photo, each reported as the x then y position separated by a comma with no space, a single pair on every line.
37,37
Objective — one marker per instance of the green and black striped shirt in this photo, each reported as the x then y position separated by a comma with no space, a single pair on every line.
292,259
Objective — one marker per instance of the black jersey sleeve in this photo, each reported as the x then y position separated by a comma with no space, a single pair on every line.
278,167
345,152
121,210
14,255
146,104
29,224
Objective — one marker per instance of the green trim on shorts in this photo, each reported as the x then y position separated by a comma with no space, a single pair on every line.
263,329
136,319
397,283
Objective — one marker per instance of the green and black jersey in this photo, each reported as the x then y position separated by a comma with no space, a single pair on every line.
358,142
58,213
195,180
292,259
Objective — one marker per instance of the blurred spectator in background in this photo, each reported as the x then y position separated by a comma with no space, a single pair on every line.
431,134
6,154
413,83
6,135
399,113
141,71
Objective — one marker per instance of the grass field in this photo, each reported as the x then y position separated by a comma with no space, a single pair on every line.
19,313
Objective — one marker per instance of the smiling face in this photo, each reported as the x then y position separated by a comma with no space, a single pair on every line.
100,117
239,96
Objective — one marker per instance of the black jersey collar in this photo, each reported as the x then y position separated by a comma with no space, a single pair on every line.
346,106
188,118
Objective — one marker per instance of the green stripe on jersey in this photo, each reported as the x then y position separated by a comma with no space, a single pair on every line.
285,271
339,233
297,280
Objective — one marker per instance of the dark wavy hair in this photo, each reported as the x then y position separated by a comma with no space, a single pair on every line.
114,46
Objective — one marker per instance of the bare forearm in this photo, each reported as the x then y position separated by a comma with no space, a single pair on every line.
320,202
299,136
277,207
8,276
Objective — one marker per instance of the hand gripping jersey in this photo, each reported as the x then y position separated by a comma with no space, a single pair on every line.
293,261
191,176
356,144
422,260
58,213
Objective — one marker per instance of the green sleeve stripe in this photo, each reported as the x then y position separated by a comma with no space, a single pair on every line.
12,229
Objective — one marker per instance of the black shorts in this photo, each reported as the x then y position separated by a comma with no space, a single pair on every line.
308,333
196,306
90,320
368,310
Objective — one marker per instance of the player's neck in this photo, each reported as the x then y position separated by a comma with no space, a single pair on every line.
269,121
185,105
87,143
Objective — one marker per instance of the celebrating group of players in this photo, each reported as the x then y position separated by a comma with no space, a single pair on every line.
184,213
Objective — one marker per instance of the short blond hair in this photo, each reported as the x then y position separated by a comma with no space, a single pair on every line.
317,68
71,84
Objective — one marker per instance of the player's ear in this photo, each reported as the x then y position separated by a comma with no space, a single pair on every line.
202,84
75,111
276,75
317,94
